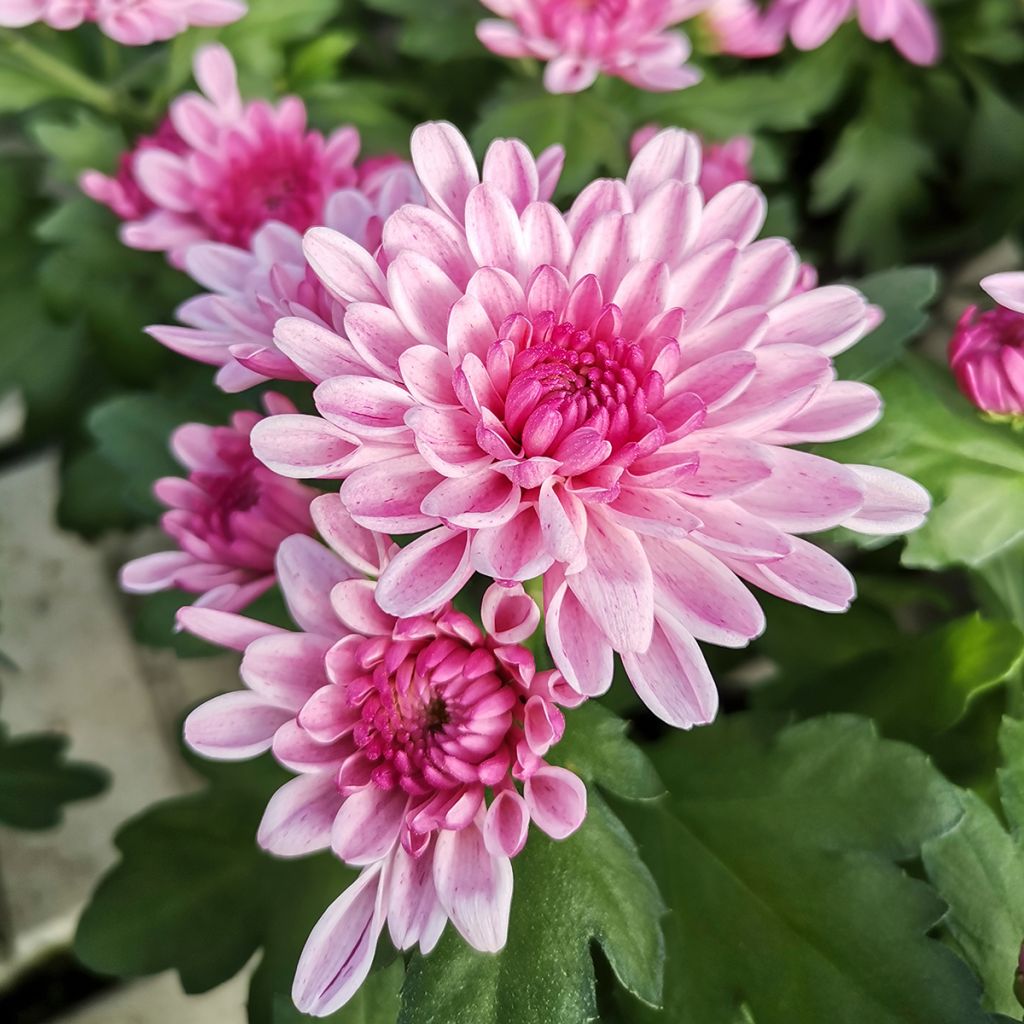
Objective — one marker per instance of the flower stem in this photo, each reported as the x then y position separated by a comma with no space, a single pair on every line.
71,82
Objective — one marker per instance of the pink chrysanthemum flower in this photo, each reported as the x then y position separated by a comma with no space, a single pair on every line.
748,29
723,162
581,38
251,288
987,351
240,167
419,745
227,518
129,22
604,398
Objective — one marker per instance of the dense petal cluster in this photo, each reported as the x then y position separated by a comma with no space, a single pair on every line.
723,162
227,518
130,22
232,167
605,398
986,352
419,746
579,39
749,28
251,288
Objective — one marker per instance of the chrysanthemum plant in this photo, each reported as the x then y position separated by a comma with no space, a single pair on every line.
531,477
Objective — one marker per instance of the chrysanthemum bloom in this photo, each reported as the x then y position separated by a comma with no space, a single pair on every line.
581,38
130,22
723,163
419,745
121,192
228,517
251,288
745,28
603,398
242,166
986,352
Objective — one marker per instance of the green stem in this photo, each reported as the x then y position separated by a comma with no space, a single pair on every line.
71,82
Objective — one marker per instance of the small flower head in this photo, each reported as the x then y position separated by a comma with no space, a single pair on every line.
419,746
228,517
579,39
129,22
986,352
606,398
234,167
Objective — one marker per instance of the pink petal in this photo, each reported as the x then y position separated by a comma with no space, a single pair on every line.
445,166
234,726
286,669
412,899
422,295
360,548
339,952
506,824
671,154
474,887
299,816
577,645
364,406
672,678
892,503
304,447
388,497
1007,289
426,574
224,628
367,825
829,319
509,614
155,572
484,500
514,551
354,605
493,230
349,272
307,571
557,800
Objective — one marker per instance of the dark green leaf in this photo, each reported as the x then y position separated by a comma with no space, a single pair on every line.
977,868
36,780
778,856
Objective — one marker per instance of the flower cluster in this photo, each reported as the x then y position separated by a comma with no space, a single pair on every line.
418,745
749,28
602,406
579,39
131,22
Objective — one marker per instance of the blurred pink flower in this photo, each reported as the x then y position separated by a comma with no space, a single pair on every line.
228,517
236,167
723,163
130,22
419,746
581,38
986,352
250,289
121,193
749,29
604,398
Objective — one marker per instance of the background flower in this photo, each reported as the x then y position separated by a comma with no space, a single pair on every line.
130,22
398,730
228,517
579,40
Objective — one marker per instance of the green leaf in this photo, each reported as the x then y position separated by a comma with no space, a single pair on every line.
904,293
974,470
977,868
592,887
778,855
876,172
439,31
36,780
193,893
789,97
916,688
78,143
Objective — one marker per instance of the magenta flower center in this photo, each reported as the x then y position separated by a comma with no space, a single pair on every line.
566,378
433,714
